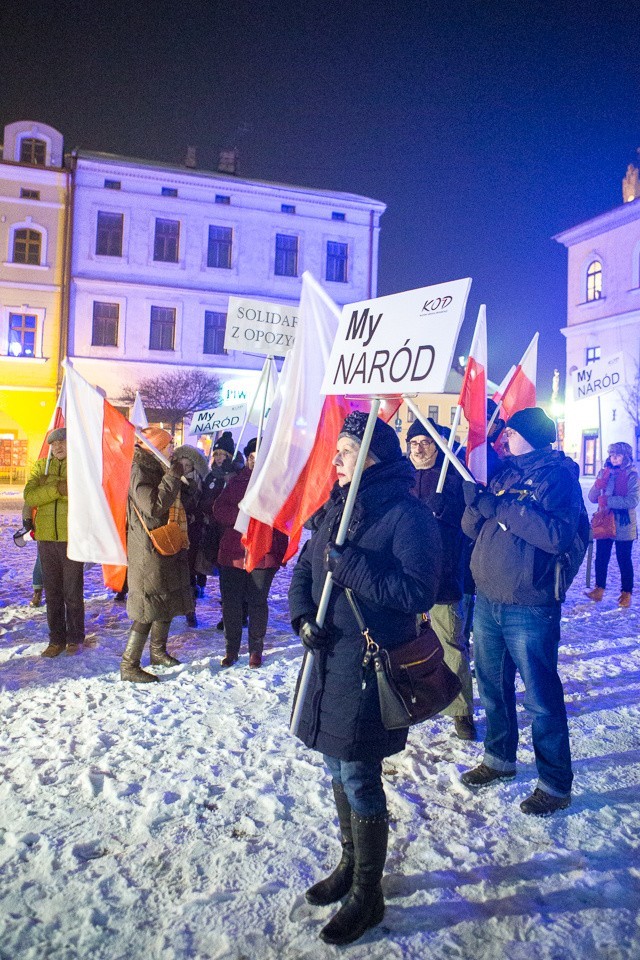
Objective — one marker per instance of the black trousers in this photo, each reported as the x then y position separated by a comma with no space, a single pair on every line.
623,556
63,581
237,586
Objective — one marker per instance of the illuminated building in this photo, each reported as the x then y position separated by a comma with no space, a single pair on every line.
33,192
603,320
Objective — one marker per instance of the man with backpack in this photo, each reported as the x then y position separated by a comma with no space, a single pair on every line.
528,528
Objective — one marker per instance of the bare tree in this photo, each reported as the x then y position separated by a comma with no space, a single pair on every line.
173,396
631,398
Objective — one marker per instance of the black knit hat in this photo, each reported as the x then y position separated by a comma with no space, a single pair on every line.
250,447
534,426
385,446
225,442
418,429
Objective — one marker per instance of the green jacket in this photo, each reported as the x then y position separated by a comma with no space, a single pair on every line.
42,492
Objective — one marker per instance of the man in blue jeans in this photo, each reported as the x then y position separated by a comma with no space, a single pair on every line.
522,524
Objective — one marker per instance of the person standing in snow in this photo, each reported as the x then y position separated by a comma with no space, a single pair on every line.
195,468
447,615
159,586
521,524
63,579
391,561
617,488
237,585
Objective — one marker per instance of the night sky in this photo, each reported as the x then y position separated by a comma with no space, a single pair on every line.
487,127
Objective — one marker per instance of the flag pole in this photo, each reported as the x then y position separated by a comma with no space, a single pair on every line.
57,407
263,372
452,440
439,441
265,396
154,450
340,539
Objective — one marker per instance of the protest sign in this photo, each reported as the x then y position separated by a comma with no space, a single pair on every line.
256,326
598,377
402,343
217,418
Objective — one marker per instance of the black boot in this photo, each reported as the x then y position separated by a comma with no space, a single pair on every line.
337,884
130,668
158,644
364,906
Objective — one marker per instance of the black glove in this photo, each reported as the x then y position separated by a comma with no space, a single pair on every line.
313,637
471,491
486,505
438,504
332,553
176,469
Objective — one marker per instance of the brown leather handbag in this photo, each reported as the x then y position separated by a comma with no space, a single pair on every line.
168,539
603,522
414,682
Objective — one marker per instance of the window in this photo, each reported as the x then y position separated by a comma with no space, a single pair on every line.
452,415
221,198
169,192
27,246
433,414
287,208
337,216
105,324
163,328
593,354
214,328
594,280
33,151
219,248
109,234
165,245
410,415
589,454
286,256
112,184
337,261
29,194
22,335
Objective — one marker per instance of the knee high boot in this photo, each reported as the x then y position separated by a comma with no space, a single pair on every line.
130,668
364,906
337,884
158,644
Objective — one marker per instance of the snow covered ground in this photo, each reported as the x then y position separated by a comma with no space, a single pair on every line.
181,820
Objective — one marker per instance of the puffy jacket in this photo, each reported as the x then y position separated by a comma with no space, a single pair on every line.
391,562
624,507
231,552
42,492
537,511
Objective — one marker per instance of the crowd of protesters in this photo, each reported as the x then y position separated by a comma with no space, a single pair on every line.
484,562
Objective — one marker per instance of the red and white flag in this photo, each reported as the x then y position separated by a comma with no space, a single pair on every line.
473,399
293,474
100,444
521,389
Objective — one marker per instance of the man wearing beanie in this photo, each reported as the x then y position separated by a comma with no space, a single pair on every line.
447,614
522,525
63,579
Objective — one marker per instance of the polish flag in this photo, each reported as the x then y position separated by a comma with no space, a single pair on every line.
293,474
521,389
473,399
100,444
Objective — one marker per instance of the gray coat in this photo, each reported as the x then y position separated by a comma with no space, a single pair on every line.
159,587
624,507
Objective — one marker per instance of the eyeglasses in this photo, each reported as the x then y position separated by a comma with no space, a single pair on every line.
421,443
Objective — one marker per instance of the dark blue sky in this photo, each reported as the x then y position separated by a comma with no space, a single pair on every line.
485,126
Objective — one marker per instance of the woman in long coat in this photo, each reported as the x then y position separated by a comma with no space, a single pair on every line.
391,562
617,488
159,587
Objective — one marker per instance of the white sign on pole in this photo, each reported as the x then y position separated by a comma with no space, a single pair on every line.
256,326
402,343
601,376
217,418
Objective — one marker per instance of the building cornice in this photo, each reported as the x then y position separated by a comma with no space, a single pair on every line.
601,324
618,217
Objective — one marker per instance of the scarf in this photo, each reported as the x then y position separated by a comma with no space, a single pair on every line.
178,515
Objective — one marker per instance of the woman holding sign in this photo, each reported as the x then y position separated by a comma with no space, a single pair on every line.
391,562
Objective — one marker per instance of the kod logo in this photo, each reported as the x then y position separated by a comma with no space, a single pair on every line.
437,305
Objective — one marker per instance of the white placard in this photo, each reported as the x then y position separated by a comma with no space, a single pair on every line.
402,343
217,418
256,326
601,376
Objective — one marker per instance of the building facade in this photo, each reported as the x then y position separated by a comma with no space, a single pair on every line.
33,249
603,319
157,250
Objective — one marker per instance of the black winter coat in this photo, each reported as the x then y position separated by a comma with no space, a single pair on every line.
447,507
391,562
538,502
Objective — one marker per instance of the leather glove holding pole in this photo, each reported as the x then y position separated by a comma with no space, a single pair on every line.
471,491
332,553
314,638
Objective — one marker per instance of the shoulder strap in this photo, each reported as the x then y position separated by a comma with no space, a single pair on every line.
356,611
139,515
